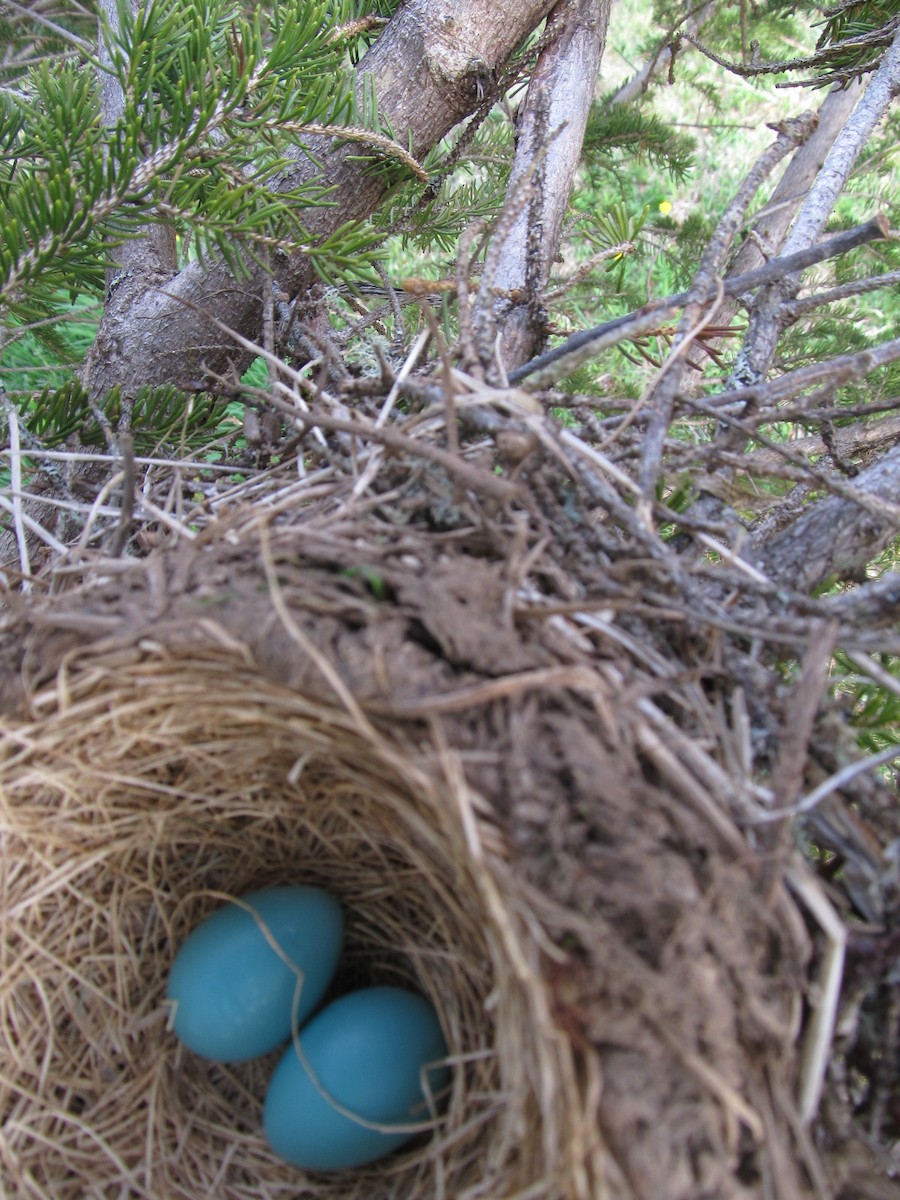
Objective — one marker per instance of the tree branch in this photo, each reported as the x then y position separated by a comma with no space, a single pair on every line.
767,317
878,37
836,536
667,383
662,57
580,346
871,604
428,69
770,226
557,107
153,256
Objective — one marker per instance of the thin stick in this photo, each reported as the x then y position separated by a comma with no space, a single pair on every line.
182,464
871,668
547,366
35,527
832,784
12,420
96,508
817,1044
126,514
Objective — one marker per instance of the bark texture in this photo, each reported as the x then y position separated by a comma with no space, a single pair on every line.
767,317
429,69
548,149
154,255
771,225
837,535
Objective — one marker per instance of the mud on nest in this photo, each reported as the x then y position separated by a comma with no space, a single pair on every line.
504,824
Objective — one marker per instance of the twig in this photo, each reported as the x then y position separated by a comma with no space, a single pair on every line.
365,137
731,556
129,475
12,420
873,603
663,57
850,439
550,366
166,518
468,353
871,668
857,287
587,268
392,294
449,387
375,460
663,390
817,1043
845,368
767,317
178,464
35,527
878,506
409,363
878,37
32,13
662,399
471,477
833,783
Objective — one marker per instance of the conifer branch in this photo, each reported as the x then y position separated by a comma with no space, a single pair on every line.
426,80
135,184
561,360
350,133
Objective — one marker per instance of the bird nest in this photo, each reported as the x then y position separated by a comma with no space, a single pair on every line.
525,817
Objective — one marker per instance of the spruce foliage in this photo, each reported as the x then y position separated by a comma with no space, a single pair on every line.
199,136
206,94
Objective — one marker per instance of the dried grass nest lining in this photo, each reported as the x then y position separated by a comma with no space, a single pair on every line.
138,793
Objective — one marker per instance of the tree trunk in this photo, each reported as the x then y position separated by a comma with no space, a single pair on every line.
429,68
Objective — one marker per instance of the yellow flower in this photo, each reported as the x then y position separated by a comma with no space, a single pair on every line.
665,207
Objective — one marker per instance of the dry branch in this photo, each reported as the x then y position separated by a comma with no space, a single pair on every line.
767,315
837,535
557,106
549,367
770,225
663,57
660,396
426,67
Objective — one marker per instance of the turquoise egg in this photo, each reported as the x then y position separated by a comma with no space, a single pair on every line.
367,1050
233,993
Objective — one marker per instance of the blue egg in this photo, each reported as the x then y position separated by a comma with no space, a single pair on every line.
233,992
367,1050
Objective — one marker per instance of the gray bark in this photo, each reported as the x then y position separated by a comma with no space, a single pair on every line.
771,225
837,536
429,67
767,320
552,122
153,256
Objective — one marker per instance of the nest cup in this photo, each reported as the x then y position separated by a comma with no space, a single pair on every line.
143,786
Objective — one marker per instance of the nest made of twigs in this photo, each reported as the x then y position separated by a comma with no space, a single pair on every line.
240,716
141,794
510,769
